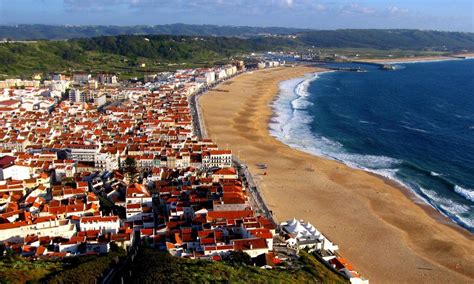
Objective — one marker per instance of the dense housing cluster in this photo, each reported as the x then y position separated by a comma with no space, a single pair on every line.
86,162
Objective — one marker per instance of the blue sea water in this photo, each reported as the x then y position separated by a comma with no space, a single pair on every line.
414,125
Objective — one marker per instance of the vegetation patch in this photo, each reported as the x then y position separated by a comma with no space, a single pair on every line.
151,266
80,269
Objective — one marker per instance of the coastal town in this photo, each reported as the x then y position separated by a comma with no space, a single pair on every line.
89,161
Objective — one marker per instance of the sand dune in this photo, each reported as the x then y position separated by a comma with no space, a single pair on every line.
387,237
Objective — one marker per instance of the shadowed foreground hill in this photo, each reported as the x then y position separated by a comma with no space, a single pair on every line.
151,266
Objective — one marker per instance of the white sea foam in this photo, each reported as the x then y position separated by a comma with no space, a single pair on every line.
447,204
301,103
291,125
448,207
464,192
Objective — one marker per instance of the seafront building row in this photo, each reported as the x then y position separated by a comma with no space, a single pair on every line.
86,162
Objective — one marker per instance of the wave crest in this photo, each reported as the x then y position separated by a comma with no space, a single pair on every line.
464,192
292,126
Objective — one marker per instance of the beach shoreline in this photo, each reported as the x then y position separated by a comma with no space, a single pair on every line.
430,210
424,204
412,238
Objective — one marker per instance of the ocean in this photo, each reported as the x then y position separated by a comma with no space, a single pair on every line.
414,125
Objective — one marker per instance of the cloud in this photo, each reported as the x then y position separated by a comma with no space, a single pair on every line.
354,9
91,5
206,5
396,11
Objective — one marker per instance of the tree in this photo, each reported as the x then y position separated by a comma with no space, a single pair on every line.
130,165
236,258
130,169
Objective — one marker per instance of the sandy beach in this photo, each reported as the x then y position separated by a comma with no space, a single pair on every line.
379,229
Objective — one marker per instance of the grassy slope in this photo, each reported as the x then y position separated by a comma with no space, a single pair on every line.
123,54
20,59
152,266
45,57
85,269
19,270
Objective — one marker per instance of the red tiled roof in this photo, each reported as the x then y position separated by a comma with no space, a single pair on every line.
213,215
249,244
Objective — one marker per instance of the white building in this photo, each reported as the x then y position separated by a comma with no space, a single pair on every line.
261,65
224,173
78,96
107,79
106,161
83,153
217,158
14,232
230,70
252,247
210,77
100,100
221,74
81,77
106,224
304,235
8,169
138,202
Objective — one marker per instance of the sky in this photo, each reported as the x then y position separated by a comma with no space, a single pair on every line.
447,15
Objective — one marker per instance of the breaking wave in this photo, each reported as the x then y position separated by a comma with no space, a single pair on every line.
464,192
291,125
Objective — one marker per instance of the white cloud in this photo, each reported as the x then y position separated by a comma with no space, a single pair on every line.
289,3
355,8
396,11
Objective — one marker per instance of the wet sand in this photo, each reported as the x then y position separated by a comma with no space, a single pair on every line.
379,229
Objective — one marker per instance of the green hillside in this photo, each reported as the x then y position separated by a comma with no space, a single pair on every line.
124,54
343,38
151,266
390,39
52,32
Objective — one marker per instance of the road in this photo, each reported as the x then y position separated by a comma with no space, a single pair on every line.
256,199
